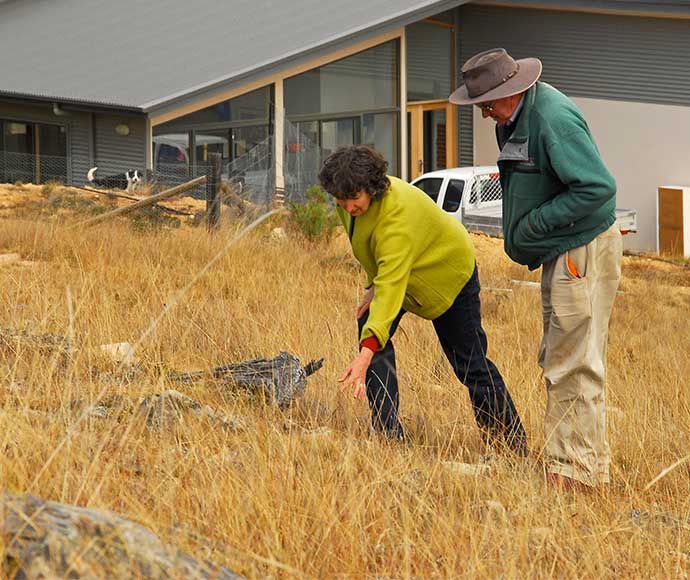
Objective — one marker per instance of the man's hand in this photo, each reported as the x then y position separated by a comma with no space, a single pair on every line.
364,303
355,374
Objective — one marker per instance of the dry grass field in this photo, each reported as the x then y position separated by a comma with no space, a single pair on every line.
309,492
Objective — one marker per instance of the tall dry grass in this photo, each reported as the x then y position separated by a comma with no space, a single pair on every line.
310,492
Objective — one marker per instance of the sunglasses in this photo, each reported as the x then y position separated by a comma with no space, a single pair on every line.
486,107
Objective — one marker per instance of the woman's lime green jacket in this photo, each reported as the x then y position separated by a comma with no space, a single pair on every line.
417,256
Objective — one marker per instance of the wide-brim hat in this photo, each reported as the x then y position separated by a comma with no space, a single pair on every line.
494,74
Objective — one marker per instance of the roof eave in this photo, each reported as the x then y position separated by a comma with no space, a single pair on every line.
76,103
659,9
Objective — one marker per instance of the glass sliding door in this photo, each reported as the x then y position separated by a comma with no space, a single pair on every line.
435,139
351,101
432,137
18,140
51,157
380,131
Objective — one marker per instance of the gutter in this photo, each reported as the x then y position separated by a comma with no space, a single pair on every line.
73,104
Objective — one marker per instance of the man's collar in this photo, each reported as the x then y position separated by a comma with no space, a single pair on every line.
516,112
521,128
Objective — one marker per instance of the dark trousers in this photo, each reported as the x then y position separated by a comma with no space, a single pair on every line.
464,343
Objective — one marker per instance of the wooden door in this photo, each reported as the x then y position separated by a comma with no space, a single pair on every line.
671,221
432,137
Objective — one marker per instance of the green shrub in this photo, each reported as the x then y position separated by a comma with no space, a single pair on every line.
315,217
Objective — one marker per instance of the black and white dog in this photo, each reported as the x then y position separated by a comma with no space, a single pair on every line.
129,180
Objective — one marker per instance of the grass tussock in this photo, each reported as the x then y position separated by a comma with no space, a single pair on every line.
309,492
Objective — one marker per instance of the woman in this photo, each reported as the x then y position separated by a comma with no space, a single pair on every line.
418,259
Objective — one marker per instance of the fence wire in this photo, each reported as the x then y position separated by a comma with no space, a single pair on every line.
252,176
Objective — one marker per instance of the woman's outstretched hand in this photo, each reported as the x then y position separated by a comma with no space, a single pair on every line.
355,374
364,303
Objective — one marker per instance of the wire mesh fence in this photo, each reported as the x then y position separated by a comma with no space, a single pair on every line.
252,175
28,168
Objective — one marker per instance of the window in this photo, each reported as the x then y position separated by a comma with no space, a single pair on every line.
364,81
336,134
380,131
239,129
431,186
206,142
252,106
171,156
429,61
453,198
347,102
32,152
18,142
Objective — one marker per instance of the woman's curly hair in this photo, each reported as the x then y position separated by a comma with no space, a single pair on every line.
353,169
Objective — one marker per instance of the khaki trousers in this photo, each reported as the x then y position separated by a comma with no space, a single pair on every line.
578,290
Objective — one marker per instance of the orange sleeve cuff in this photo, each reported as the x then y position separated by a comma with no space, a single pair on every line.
371,343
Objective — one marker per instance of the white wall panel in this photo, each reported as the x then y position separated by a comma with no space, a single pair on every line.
644,145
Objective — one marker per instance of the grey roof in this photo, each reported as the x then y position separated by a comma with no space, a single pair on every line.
144,55
659,8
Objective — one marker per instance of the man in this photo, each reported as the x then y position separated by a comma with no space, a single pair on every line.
558,213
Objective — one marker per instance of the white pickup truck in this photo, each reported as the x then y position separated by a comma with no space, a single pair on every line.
473,195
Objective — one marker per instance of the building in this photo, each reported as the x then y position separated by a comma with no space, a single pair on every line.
274,86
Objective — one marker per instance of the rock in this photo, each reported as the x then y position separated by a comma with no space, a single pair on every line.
17,387
657,518
119,352
319,432
170,407
45,539
13,339
6,259
496,508
490,511
109,406
540,535
526,284
278,234
415,479
615,413
466,469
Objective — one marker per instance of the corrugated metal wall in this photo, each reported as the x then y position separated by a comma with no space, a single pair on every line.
91,138
78,137
587,55
464,129
116,153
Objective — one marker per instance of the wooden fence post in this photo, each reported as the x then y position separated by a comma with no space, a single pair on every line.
213,191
